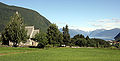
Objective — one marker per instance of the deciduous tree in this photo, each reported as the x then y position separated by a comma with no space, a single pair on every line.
53,34
41,38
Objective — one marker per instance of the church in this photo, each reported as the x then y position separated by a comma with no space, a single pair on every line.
31,31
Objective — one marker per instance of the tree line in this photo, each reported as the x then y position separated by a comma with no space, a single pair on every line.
56,38
15,32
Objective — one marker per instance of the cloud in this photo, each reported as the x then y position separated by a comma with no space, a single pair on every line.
97,24
106,23
116,20
104,20
81,28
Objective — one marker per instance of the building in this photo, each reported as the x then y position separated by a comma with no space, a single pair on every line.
31,31
0,34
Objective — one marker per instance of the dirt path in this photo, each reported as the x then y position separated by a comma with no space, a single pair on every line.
1,54
82,47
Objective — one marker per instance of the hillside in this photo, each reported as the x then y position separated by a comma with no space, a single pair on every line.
93,33
30,17
117,37
74,32
109,33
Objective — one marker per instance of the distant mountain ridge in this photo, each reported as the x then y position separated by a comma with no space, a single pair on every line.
98,33
94,32
109,33
74,32
29,16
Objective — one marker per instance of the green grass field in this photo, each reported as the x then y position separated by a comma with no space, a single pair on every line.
58,54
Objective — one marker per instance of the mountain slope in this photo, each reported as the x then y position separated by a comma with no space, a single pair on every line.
117,37
108,34
30,17
93,33
74,32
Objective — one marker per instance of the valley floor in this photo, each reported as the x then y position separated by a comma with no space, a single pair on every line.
58,54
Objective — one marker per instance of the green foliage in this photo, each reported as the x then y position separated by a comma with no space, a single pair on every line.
31,17
78,36
53,34
101,42
87,38
0,40
0,37
41,39
60,39
66,35
14,31
48,46
81,41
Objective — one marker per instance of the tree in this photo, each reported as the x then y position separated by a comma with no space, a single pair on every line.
53,34
81,42
89,42
66,35
0,37
87,38
14,31
60,39
81,36
76,36
41,39
73,41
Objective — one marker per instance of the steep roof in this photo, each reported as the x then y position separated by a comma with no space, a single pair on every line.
35,32
31,31
0,35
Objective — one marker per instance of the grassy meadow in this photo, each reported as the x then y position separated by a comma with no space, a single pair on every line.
58,54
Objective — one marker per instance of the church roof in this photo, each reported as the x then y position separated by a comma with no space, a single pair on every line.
31,31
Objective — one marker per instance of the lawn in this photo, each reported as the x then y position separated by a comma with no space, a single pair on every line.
58,54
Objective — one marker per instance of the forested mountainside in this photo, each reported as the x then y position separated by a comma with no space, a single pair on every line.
29,16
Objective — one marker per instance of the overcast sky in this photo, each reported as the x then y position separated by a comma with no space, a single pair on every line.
77,14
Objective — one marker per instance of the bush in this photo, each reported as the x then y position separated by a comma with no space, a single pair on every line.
48,46
42,39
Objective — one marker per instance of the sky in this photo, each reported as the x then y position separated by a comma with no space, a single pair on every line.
84,15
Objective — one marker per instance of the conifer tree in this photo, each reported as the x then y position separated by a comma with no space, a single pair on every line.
60,39
87,38
66,35
14,31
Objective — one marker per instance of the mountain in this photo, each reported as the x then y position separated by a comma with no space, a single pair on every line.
74,32
117,37
98,33
30,17
108,34
93,33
